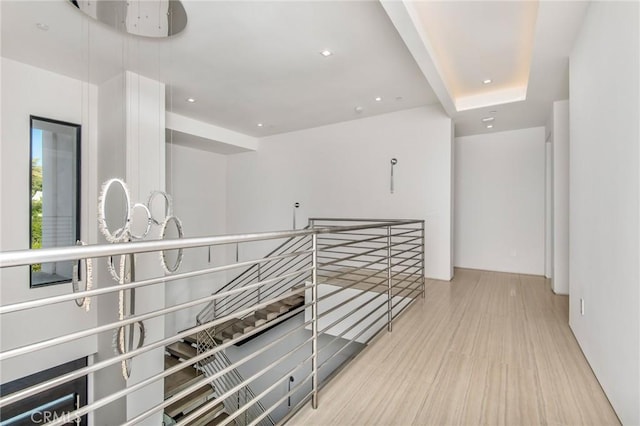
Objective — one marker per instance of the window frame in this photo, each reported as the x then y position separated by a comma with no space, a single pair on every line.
78,194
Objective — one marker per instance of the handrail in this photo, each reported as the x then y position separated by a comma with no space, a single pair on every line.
59,254
337,320
221,358
244,273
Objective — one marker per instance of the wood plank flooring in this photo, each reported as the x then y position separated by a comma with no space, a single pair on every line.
488,348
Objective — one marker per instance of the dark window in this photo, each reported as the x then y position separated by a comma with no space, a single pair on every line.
48,405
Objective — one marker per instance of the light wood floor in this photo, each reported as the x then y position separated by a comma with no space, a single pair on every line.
488,348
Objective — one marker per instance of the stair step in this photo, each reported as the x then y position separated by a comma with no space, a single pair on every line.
182,350
294,300
256,320
219,419
190,401
278,308
209,417
179,380
192,338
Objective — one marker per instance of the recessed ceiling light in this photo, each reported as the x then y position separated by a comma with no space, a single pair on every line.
488,119
487,81
191,100
399,98
489,126
378,99
326,53
492,112
260,124
43,27
358,109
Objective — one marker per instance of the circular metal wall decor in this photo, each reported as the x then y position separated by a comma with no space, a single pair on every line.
120,234
169,269
168,206
138,220
147,221
84,302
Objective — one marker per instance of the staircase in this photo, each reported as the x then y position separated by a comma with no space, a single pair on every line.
187,349
236,327
182,379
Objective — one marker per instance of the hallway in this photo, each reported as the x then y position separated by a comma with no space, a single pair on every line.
487,348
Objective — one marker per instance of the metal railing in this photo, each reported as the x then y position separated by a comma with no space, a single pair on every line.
356,277
231,380
283,257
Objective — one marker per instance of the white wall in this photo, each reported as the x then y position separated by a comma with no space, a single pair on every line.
604,260
27,90
499,198
342,170
560,192
196,180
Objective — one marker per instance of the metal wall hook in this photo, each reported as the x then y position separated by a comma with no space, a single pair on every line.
394,161
295,206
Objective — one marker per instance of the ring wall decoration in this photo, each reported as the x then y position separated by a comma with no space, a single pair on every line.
120,220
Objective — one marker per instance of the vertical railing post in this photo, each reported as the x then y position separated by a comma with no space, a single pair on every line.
389,283
314,321
424,275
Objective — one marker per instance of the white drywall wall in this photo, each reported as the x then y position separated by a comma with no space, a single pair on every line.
342,170
560,226
604,186
499,198
27,90
196,180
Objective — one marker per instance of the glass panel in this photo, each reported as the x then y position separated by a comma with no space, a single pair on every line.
55,150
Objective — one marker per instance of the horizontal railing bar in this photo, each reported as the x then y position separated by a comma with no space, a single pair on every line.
374,262
327,248
58,254
281,400
382,284
375,321
325,252
218,375
383,233
287,245
343,259
348,314
262,394
355,219
322,252
299,259
205,407
234,300
350,299
341,336
408,296
351,242
293,411
414,264
188,362
348,260
270,266
344,287
106,327
120,287
161,343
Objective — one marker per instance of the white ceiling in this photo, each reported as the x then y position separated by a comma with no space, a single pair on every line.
244,62
522,46
258,62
